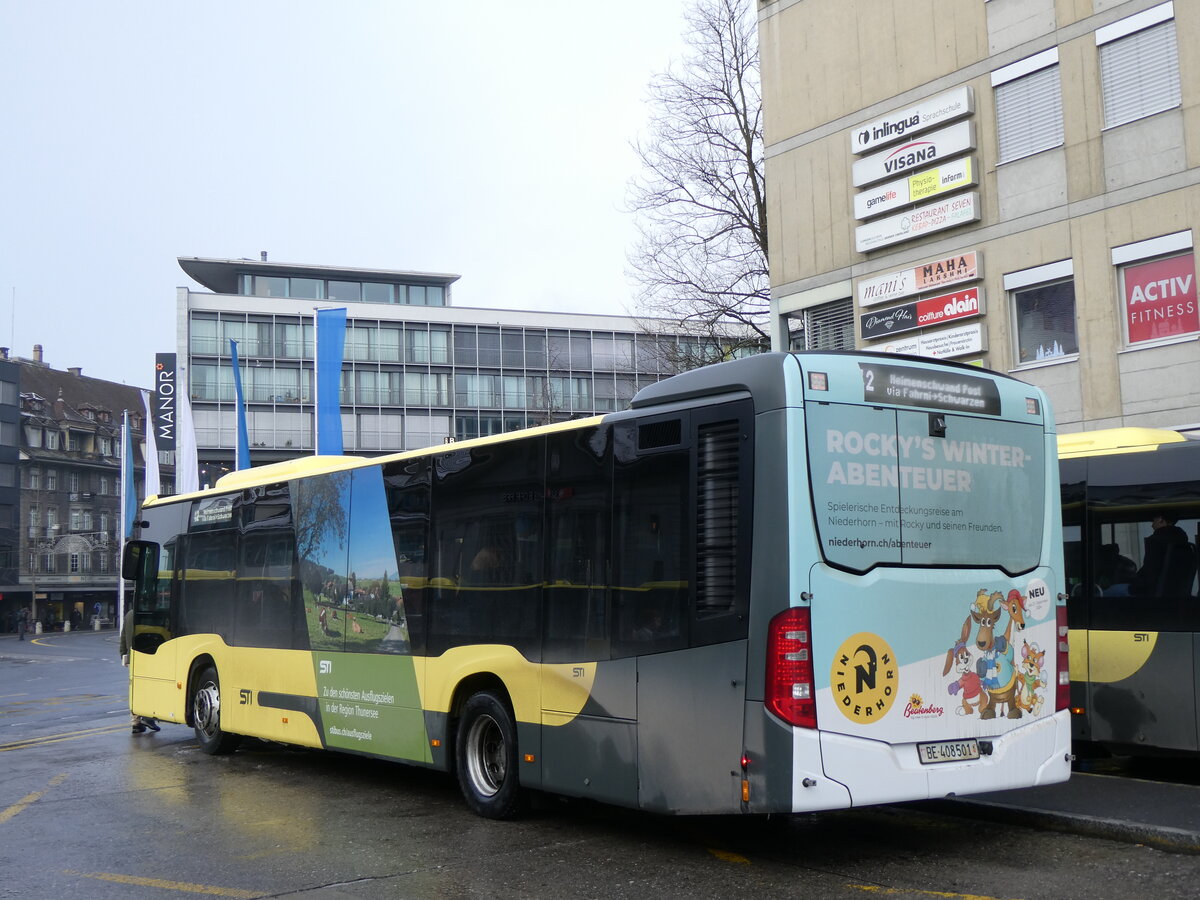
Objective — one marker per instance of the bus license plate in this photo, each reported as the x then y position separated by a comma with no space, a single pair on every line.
948,751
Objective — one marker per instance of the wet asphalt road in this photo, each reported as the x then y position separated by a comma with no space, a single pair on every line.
88,810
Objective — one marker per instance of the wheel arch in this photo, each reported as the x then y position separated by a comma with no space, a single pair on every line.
199,664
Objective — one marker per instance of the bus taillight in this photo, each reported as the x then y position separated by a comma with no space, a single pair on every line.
790,691
1062,694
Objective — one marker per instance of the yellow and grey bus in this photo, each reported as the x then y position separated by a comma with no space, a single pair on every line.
1131,521
785,583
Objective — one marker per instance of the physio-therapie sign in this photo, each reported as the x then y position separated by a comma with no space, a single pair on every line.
951,342
917,187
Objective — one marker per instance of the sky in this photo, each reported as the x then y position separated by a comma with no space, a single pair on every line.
488,140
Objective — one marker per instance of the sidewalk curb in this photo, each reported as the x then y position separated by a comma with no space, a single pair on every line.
1175,840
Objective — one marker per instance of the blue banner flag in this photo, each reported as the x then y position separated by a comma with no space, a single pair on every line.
242,457
331,340
129,502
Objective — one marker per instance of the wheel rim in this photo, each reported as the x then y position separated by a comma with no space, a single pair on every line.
207,709
487,756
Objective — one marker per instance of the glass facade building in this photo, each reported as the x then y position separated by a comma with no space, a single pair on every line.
416,370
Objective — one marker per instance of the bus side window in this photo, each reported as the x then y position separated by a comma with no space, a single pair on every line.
578,517
406,485
652,533
209,583
486,538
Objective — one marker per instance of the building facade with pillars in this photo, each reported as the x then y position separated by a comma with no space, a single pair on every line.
68,568
416,369
1014,183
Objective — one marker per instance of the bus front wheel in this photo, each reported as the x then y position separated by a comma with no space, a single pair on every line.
206,716
486,753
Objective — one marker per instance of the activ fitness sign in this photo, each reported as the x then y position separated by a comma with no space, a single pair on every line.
1160,299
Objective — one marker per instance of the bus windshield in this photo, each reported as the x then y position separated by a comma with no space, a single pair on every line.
908,488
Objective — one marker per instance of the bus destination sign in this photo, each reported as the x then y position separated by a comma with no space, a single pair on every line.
897,385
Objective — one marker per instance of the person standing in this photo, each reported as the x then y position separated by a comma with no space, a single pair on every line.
22,622
138,724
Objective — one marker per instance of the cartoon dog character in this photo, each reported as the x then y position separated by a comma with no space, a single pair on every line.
1031,677
973,698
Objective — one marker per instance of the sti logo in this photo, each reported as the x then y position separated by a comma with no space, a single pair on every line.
326,666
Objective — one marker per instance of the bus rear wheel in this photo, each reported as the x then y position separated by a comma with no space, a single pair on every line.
206,716
486,754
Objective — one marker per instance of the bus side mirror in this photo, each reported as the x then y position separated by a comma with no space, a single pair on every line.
138,555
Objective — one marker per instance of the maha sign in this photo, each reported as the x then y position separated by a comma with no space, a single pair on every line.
1160,299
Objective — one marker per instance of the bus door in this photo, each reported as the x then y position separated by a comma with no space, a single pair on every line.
152,657
1142,673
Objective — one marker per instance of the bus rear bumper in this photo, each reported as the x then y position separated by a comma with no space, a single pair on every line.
877,772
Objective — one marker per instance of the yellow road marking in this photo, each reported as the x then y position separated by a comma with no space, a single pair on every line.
30,798
876,889
188,887
65,736
726,856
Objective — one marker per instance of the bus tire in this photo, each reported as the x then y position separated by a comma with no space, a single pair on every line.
486,756
206,716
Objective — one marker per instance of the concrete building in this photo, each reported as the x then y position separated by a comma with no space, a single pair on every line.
417,370
1014,183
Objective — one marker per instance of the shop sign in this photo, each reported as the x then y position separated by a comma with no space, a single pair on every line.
921,186
961,341
934,147
949,270
939,110
1160,299
921,314
917,222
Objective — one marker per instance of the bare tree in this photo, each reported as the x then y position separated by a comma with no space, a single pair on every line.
701,257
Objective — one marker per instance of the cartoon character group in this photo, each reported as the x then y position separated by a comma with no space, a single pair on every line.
989,678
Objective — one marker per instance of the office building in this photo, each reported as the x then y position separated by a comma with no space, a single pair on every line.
417,370
1012,183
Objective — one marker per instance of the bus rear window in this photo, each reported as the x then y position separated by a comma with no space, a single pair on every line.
892,487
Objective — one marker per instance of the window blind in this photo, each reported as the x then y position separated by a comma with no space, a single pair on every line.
1029,114
1139,74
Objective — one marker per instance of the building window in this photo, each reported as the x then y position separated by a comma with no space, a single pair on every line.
52,479
35,479
829,326
1158,288
73,563
1029,115
51,439
1139,65
1043,304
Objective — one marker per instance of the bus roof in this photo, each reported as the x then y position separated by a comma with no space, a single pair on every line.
305,466
1115,440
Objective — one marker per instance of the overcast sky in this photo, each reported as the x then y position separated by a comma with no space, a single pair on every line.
490,140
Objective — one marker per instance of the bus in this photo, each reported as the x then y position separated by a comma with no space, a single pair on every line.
1131,522
786,583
